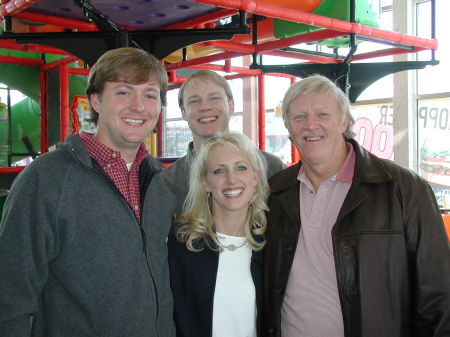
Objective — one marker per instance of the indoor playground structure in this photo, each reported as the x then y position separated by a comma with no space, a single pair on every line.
47,47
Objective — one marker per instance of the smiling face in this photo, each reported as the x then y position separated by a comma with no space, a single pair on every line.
316,127
127,114
231,180
206,109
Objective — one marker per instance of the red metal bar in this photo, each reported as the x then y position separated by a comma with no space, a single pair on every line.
79,71
235,76
295,155
172,76
201,60
231,46
175,86
270,10
60,62
64,101
303,38
159,135
13,169
277,44
179,80
302,56
227,66
14,7
34,48
232,69
43,103
261,113
56,21
217,15
21,60
385,52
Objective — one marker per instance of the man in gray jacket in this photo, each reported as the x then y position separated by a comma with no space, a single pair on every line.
79,255
206,103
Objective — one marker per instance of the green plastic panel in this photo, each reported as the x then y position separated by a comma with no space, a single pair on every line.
367,13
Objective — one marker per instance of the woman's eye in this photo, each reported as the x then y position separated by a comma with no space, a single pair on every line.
218,171
242,168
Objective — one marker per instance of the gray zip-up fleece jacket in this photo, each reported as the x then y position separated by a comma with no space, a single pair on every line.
74,260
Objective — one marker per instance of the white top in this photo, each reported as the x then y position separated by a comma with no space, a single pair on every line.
234,311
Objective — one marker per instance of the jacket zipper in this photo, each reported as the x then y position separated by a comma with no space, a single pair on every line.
141,230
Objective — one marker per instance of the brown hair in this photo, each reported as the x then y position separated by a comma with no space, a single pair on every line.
131,65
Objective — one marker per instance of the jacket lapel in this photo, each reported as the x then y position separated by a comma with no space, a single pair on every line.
285,189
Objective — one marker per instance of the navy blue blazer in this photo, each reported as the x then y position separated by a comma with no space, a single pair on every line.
193,280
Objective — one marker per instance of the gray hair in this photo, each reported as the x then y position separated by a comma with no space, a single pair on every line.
319,84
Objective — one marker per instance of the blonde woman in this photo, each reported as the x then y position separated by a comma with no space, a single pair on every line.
215,247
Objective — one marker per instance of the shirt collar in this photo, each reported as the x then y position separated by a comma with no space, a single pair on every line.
102,153
345,173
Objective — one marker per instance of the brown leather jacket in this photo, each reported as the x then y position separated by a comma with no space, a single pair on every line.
391,252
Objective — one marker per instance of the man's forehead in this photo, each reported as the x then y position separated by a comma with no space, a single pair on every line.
195,84
149,85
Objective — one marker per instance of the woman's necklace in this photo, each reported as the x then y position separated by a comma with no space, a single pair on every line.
231,247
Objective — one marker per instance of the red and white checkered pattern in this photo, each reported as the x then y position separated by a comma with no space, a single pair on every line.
126,181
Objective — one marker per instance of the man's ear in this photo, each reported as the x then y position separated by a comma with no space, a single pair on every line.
183,114
345,122
95,100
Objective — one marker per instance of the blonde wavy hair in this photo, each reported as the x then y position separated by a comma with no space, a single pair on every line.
196,222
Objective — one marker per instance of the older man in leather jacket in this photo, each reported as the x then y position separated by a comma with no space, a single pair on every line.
355,244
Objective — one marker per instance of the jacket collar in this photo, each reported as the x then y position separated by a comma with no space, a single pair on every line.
285,187
368,170
75,147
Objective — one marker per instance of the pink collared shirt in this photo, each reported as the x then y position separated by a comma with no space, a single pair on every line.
126,181
311,306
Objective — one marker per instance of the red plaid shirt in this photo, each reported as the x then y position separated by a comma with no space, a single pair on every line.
126,181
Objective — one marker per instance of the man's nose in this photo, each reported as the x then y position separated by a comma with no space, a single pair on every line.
137,103
204,104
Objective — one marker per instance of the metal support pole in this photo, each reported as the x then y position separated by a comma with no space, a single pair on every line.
64,101
43,104
261,114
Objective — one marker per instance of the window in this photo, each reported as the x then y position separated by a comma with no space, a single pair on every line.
374,128
433,105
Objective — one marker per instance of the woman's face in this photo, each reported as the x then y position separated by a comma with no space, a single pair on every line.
231,180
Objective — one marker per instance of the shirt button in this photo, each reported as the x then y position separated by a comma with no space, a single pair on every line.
113,155
136,207
108,165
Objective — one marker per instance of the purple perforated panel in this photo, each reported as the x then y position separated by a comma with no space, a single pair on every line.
139,14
